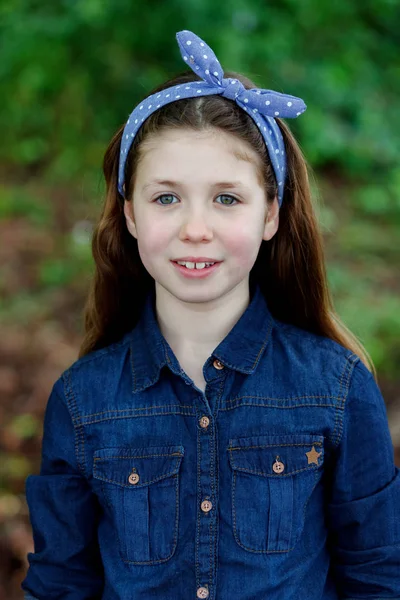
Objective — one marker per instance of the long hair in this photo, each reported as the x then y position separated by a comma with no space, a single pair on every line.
290,268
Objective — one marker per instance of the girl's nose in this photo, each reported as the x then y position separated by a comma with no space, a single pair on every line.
196,226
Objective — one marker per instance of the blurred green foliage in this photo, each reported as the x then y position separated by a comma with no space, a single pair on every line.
25,426
71,71
16,202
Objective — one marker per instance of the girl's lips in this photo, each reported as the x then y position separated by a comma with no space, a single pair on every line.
196,273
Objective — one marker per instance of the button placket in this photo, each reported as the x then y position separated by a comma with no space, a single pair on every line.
205,532
206,538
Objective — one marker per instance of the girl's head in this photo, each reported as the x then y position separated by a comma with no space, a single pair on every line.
197,142
199,191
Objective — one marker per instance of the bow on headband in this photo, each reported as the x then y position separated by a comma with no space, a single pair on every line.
261,105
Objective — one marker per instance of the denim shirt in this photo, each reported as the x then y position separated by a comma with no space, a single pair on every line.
277,483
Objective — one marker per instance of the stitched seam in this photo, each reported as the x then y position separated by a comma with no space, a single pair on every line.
212,487
79,435
210,530
315,405
113,413
285,398
87,420
214,473
246,470
337,416
199,459
214,431
273,445
135,456
134,386
117,482
121,410
132,486
339,419
264,345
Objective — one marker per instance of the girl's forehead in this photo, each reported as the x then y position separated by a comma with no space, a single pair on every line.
211,143
182,136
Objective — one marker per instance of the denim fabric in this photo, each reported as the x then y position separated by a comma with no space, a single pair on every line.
288,491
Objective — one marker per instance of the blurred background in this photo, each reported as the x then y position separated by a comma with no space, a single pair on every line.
71,71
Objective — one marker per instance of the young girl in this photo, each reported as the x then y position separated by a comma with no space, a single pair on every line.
222,434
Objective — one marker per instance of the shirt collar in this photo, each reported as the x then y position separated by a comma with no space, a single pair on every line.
240,350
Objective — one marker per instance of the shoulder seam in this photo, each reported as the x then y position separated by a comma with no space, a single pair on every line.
352,361
78,427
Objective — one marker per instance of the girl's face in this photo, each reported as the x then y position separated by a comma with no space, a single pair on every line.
196,195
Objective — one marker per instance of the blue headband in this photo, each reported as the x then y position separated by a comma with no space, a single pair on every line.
261,105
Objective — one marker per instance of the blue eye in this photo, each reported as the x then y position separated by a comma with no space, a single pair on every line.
164,196
220,196
230,197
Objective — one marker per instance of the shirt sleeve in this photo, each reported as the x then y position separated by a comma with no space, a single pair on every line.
364,506
63,511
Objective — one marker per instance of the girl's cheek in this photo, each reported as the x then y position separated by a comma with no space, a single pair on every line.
241,243
156,236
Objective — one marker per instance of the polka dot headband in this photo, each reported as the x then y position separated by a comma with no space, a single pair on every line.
261,105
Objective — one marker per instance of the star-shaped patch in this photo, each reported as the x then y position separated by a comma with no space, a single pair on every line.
313,456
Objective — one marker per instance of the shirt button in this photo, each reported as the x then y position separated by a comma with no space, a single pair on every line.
204,422
202,592
133,478
206,505
278,466
218,364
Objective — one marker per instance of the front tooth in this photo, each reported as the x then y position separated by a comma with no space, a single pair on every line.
189,265
192,265
184,264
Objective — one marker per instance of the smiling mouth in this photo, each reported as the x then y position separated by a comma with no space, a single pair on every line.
194,272
206,265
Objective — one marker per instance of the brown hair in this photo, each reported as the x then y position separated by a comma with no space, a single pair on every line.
290,268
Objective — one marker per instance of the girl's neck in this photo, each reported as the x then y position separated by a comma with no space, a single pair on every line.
199,327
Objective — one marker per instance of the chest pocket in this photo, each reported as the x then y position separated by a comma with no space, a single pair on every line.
140,488
273,477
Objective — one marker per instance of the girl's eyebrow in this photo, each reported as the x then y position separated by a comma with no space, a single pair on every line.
177,184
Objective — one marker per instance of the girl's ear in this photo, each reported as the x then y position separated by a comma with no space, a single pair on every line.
272,220
129,217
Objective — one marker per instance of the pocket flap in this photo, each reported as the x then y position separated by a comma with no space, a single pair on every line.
258,454
150,463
